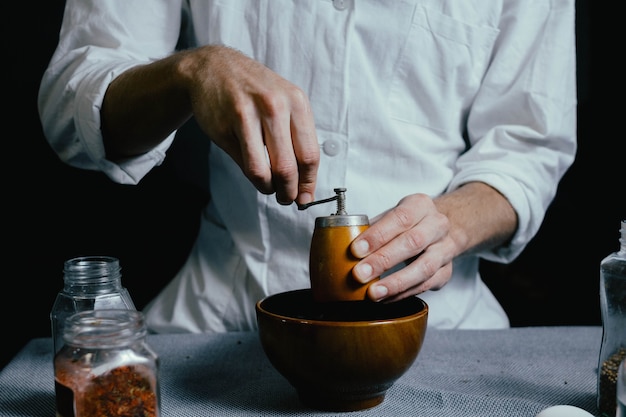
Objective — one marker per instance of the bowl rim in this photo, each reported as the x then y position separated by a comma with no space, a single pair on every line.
335,323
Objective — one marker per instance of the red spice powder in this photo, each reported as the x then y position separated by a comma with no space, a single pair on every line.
121,392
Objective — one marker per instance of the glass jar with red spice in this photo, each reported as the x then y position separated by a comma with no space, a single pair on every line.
106,367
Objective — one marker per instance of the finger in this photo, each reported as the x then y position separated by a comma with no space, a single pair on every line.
306,147
409,281
407,244
403,247
392,223
254,159
280,148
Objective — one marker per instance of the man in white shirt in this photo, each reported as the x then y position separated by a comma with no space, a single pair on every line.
449,123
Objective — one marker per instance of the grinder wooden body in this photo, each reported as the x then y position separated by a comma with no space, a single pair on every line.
330,259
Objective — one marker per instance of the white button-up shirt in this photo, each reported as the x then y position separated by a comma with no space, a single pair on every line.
411,96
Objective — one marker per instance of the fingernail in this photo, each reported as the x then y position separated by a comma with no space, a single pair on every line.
305,198
379,291
360,248
362,272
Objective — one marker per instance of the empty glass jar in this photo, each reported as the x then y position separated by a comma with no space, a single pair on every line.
89,283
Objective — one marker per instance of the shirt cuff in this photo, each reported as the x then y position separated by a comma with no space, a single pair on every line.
89,97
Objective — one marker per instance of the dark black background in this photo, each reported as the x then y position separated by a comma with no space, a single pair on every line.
54,212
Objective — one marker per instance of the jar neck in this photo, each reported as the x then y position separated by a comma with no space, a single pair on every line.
92,274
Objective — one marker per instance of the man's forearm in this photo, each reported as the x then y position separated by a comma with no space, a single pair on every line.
142,107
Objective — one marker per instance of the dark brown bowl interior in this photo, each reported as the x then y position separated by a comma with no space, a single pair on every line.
299,305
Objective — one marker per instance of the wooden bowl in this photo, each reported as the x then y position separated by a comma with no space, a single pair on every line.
340,356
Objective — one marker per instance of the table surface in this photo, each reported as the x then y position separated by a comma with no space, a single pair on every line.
512,372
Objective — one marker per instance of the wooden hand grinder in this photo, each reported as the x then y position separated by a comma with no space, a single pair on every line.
330,259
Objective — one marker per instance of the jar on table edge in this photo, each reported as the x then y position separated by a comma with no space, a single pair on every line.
106,367
613,313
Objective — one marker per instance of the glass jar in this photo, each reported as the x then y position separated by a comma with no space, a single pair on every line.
105,367
613,312
89,283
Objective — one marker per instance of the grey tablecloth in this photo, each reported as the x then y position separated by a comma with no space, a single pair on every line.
514,372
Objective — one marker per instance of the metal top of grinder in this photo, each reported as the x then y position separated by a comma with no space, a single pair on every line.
341,217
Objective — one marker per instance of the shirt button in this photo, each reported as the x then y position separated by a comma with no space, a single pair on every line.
341,4
331,147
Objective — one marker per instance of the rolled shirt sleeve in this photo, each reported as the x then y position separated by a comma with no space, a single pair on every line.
522,124
86,60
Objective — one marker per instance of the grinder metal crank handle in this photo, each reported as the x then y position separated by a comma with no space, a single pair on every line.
340,197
